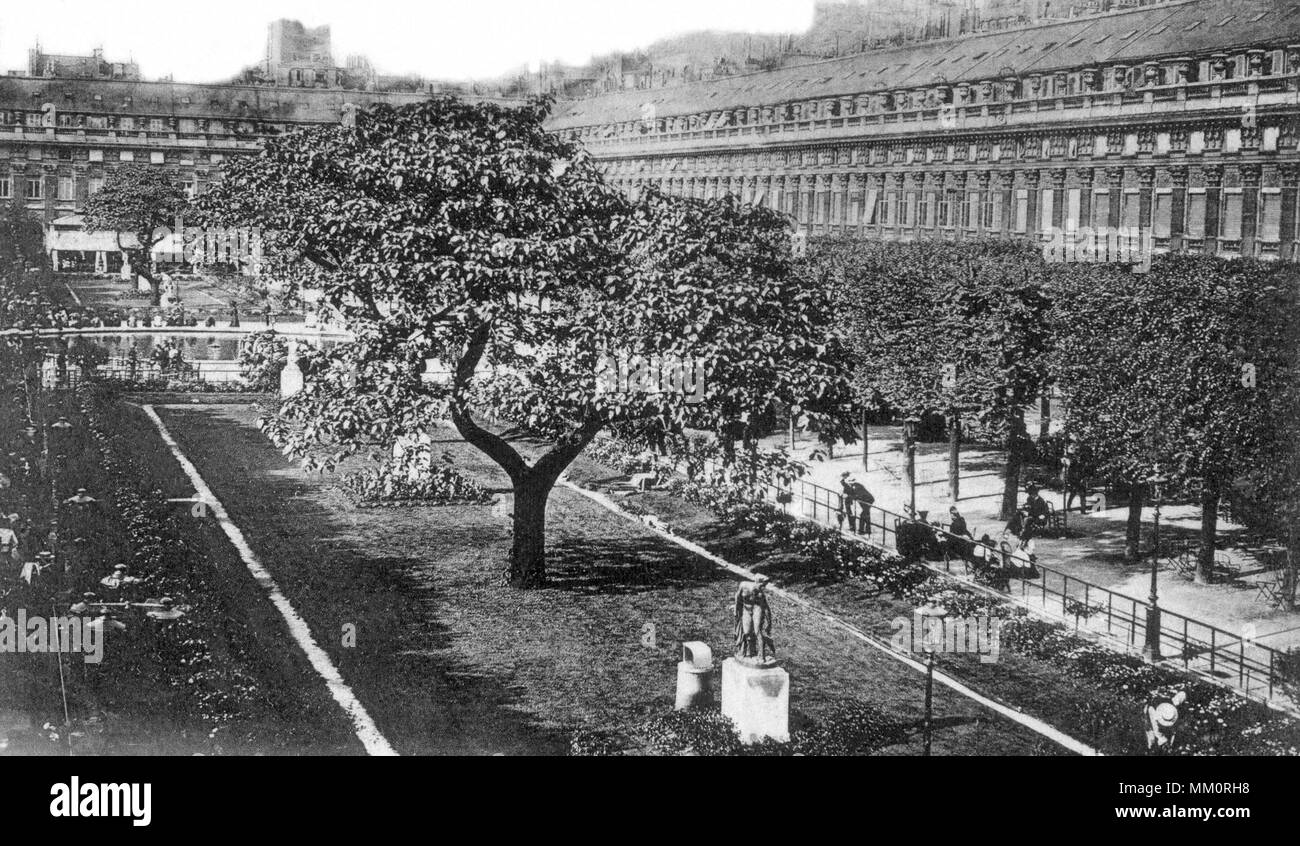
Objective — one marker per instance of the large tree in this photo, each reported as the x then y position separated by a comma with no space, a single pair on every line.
468,235
1183,373
142,203
946,328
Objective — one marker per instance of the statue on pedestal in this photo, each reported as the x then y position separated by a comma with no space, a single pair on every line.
754,624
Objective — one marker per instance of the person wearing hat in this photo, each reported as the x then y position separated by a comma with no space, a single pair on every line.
959,538
856,495
1161,714
1037,508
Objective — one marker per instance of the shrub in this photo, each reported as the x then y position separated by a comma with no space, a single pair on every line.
693,732
850,728
391,485
261,358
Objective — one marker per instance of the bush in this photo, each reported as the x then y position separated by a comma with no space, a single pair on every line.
693,733
391,485
261,358
850,728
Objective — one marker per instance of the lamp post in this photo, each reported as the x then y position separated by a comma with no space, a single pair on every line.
1151,648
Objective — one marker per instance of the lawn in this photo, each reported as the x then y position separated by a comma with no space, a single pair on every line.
448,660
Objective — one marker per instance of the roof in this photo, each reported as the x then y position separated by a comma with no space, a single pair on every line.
230,102
1142,33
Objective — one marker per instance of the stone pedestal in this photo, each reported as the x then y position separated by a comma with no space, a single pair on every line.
757,700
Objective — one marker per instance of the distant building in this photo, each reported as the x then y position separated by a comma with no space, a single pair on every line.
69,121
94,66
1180,121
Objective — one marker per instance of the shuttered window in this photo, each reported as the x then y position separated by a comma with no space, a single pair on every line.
1230,227
1270,215
1196,213
1163,214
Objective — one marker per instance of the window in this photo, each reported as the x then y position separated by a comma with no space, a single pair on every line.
155,125
96,183
1048,198
126,123
1020,223
1130,215
1196,213
96,155
1072,208
126,155
35,188
1230,229
972,209
66,189
924,208
1163,213
157,157
6,187
1270,215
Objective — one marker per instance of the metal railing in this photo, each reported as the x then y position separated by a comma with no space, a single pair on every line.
1216,654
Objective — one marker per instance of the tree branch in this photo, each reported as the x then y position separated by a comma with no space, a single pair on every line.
490,444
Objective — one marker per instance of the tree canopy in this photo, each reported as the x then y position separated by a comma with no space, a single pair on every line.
140,201
942,327
468,236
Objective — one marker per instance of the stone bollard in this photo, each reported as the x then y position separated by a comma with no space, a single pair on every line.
694,676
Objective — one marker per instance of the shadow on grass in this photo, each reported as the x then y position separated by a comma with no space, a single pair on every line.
609,566
381,572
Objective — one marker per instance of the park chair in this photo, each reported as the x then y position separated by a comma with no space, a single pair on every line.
1055,521
1272,588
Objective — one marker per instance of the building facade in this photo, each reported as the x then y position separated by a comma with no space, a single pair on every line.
70,121
1179,119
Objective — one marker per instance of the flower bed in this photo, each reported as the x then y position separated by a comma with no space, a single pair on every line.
211,686
393,487
1215,720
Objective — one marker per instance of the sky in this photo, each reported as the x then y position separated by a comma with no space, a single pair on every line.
448,39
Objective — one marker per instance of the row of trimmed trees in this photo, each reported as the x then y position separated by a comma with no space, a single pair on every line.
1189,373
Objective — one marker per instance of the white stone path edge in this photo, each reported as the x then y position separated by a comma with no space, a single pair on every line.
364,727
1031,723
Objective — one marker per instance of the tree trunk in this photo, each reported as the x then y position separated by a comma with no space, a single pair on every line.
1292,559
1133,529
1209,528
1016,437
909,466
866,445
528,549
954,455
